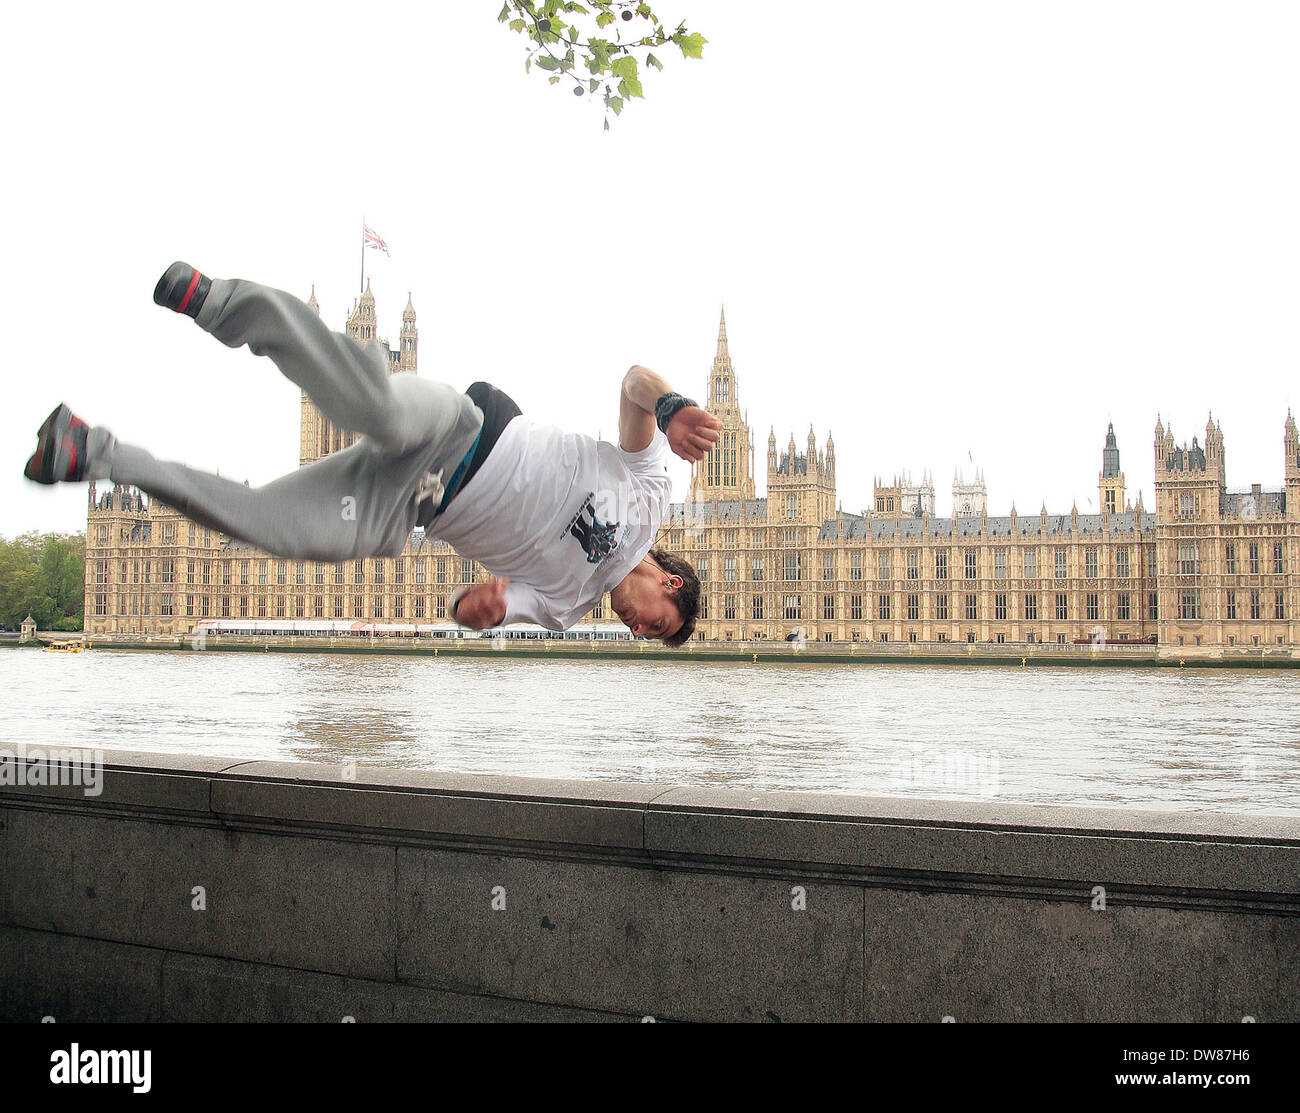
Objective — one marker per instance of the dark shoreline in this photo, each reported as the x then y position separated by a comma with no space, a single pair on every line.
863,653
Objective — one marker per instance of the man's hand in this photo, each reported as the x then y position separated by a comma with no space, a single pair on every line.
483,606
692,432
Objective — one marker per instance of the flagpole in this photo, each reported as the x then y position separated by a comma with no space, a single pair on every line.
363,254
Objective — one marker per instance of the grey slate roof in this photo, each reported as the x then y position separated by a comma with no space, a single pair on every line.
1267,502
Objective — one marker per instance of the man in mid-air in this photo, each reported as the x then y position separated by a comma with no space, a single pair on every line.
559,518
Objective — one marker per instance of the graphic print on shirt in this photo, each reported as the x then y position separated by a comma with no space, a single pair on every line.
598,539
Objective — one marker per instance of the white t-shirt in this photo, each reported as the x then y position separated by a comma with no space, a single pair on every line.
564,516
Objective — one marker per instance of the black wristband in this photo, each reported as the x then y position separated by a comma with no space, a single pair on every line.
666,407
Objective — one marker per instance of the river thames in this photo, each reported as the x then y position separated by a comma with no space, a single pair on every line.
1185,740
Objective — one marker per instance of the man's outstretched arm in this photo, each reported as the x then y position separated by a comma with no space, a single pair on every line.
691,432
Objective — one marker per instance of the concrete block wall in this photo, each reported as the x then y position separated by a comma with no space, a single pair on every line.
390,895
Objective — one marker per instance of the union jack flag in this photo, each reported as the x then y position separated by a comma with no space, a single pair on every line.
374,239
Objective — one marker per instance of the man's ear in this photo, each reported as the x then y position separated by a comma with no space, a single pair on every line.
675,582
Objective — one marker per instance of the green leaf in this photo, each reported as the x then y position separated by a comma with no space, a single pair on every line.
604,20
593,84
516,25
547,62
624,67
607,123
692,45
599,55
616,103
505,12
554,79
651,60
528,64
630,87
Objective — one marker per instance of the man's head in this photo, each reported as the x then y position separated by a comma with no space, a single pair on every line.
659,598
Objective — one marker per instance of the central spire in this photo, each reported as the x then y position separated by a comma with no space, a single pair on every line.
723,354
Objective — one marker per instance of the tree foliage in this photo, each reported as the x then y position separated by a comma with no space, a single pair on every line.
572,42
43,575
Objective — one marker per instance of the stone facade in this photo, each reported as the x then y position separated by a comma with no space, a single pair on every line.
1209,567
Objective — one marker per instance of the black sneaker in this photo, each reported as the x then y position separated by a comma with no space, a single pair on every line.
182,289
60,455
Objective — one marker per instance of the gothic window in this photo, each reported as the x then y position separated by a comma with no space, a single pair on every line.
793,606
1062,606
941,607
1187,558
1060,568
1254,558
855,565
756,608
1031,564
1031,608
972,606
913,564
1092,610
1000,607
1121,562
884,609
941,565
1122,606
999,564
1090,562
971,571
913,607
882,565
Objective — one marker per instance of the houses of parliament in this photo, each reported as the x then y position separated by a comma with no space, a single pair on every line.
1206,566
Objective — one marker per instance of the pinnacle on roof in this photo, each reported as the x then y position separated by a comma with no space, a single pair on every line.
368,296
723,353
409,312
311,301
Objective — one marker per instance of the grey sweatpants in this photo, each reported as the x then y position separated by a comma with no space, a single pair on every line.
359,502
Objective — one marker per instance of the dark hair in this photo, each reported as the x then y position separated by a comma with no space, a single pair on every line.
686,598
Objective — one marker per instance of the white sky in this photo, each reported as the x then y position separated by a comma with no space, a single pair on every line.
937,228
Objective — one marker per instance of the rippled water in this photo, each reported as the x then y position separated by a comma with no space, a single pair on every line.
1212,740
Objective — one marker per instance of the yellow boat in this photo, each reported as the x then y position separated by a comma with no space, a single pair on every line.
67,646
